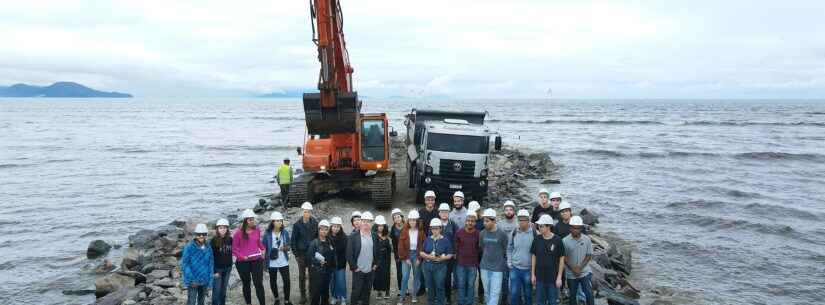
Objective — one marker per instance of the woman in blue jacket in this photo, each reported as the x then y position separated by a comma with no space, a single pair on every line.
276,243
197,265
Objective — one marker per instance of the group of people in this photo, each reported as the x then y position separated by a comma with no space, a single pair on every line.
441,249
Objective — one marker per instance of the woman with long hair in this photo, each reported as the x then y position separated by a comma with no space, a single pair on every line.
412,237
276,242
395,232
249,257
322,261
221,245
339,276
381,281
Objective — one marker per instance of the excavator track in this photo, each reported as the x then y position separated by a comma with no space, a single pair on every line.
300,191
382,189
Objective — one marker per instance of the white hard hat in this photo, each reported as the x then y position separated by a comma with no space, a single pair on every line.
306,206
396,211
247,214
459,194
564,205
356,214
366,216
323,223
379,220
429,194
413,214
444,207
336,221
473,205
201,229
576,221
222,222
555,195
472,212
276,216
543,191
435,222
509,203
523,213
489,213
545,220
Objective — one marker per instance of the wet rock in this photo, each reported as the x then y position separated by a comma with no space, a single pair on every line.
165,245
143,239
105,266
158,274
170,231
78,292
164,300
178,223
139,278
148,268
97,248
589,217
117,246
115,298
131,259
258,209
166,283
550,181
615,298
112,282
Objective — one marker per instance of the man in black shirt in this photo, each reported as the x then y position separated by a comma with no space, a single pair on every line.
548,263
429,211
562,228
548,204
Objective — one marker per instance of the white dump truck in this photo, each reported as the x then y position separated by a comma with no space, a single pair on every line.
449,151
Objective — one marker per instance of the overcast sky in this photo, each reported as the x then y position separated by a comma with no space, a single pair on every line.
580,49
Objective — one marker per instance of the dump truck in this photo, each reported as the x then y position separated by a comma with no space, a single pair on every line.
449,151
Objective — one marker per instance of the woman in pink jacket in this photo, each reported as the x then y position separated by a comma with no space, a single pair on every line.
249,257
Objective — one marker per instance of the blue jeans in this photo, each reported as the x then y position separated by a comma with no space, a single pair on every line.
220,285
338,285
196,295
573,287
547,293
492,281
466,284
520,285
405,274
434,276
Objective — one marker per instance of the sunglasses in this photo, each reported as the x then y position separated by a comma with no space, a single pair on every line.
555,199
200,235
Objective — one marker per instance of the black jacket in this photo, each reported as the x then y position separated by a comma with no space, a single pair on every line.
340,244
354,249
303,234
222,251
426,217
326,249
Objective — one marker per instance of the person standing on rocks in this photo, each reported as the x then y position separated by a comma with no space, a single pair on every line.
381,283
408,242
547,255
459,214
448,230
436,252
355,221
493,243
221,245
304,231
548,204
467,258
322,260
276,242
197,265
579,250
362,256
508,225
249,257
339,276
395,233
284,177
519,261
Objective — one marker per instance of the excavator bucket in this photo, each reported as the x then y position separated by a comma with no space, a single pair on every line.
338,119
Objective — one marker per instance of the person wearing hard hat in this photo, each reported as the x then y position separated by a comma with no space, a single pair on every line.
467,258
395,232
437,251
322,260
355,221
547,257
519,261
276,242
304,231
475,206
197,265
408,242
284,178
248,251
459,214
508,224
493,242
428,212
339,278
362,256
381,282
448,231
578,251
562,228
548,204
221,245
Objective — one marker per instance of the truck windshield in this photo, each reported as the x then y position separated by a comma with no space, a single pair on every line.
457,143
372,140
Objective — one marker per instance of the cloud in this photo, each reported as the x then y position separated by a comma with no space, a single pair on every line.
457,48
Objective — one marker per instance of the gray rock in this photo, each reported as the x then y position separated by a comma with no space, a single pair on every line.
97,248
79,292
164,300
166,283
148,268
115,298
158,274
143,239
112,282
588,217
141,296
131,259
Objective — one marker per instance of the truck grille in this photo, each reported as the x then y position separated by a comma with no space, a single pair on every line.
447,169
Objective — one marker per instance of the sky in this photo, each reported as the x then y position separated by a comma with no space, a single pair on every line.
424,48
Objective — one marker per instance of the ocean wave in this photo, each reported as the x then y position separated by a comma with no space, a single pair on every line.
768,155
731,123
14,165
815,112
232,164
244,147
583,122
756,209
600,152
719,223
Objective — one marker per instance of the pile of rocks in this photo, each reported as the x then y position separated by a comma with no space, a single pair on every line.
612,264
509,169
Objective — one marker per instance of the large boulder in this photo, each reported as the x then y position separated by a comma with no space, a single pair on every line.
143,239
112,282
115,298
97,248
131,259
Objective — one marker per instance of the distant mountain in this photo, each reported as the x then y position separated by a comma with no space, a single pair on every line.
287,93
59,89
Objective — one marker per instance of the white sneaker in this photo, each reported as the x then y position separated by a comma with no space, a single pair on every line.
343,302
415,299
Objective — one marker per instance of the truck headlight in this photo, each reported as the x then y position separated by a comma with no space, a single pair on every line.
482,183
428,169
323,167
484,172
428,180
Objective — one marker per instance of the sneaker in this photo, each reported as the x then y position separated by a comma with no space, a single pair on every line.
343,302
415,299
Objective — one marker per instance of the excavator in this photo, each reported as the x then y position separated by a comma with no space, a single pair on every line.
344,149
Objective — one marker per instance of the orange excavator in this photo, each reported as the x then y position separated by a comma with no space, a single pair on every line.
344,149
